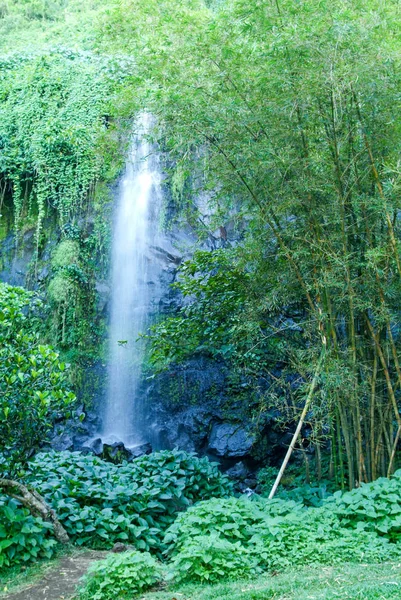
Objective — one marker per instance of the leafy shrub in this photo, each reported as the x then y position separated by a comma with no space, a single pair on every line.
293,486
22,537
265,535
308,495
233,519
100,503
315,536
376,505
120,576
33,382
210,558
266,478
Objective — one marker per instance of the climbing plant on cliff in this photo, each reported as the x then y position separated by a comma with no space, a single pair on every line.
55,111
291,110
59,147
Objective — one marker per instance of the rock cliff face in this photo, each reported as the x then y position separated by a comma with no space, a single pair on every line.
190,406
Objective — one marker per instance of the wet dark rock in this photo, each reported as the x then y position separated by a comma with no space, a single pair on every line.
140,450
102,295
119,548
239,472
167,256
117,451
44,273
230,440
96,446
63,441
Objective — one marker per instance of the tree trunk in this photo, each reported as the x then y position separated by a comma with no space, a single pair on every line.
36,504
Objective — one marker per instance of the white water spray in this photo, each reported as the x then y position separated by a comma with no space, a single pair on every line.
135,229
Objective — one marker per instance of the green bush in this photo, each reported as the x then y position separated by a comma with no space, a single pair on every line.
233,519
293,486
316,536
210,558
120,576
100,503
376,505
266,535
34,390
22,537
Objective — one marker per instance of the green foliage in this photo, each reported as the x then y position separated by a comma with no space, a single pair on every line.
61,289
293,486
317,537
374,506
26,25
34,389
345,582
233,519
32,9
285,114
23,538
210,559
66,254
267,535
216,317
121,576
53,117
60,147
100,503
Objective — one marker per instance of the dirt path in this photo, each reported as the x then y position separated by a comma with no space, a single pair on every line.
59,583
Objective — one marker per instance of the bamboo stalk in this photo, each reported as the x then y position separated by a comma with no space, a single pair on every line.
301,421
392,456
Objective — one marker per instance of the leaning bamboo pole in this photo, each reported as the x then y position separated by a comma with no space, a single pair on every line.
301,420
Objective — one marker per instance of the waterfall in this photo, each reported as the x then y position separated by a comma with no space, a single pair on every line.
135,228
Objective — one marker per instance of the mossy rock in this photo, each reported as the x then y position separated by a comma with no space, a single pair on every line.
66,254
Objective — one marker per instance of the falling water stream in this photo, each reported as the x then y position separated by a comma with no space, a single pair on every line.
135,229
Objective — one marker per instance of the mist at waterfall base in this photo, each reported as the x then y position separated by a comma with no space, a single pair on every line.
135,229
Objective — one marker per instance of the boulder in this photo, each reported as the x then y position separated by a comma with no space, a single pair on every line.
96,446
230,440
140,450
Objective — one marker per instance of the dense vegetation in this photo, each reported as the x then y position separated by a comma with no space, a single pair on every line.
238,538
284,115
34,389
349,582
125,575
101,503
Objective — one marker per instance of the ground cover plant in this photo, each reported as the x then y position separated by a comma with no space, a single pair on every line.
222,538
374,506
100,503
121,576
345,582
23,538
